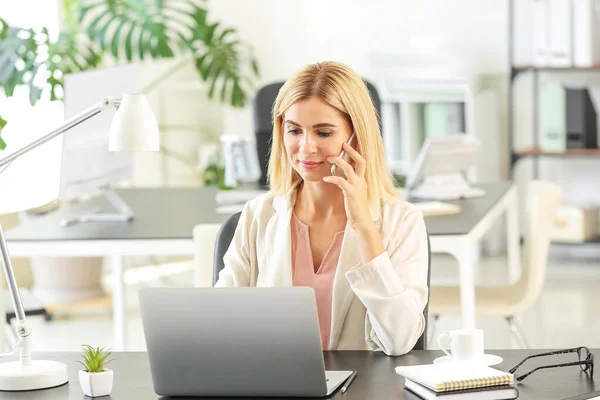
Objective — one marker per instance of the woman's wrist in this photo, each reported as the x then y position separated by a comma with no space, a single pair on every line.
371,244
365,227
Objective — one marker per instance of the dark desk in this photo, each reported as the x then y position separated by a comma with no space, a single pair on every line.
376,377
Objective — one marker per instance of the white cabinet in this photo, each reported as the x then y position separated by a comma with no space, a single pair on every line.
403,102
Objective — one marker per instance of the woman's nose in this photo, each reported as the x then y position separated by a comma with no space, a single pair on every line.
308,144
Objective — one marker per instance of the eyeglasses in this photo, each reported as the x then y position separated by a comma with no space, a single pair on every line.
586,361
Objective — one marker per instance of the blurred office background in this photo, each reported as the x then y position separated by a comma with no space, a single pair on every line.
491,46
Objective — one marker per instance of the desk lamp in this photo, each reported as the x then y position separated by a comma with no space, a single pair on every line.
133,128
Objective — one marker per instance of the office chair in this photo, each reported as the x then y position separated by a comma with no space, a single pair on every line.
262,109
508,301
225,235
222,242
422,342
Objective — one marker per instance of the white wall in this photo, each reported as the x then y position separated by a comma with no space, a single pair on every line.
290,34
470,34
32,14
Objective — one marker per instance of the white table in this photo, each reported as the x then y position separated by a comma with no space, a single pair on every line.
166,217
460,235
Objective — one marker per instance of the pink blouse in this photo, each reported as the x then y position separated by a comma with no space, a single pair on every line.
303,272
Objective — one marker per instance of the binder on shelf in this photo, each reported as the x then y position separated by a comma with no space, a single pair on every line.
560,31
581,120
552,118
540,35
586,33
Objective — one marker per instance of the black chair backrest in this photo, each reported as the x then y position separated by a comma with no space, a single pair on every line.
225,235
422,342
262,108
224,238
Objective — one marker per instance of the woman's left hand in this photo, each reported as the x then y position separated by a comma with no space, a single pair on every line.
354,187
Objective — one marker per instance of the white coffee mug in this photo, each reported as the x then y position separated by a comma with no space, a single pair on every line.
465,345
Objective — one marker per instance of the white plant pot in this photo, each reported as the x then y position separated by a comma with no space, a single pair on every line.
96,384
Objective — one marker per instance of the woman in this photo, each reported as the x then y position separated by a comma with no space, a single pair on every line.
351,238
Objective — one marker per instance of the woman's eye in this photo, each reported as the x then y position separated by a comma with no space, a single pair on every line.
294,131
324,133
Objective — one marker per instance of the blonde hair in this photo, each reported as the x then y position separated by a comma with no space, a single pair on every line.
340,87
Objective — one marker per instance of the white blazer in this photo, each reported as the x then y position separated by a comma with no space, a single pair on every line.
375,306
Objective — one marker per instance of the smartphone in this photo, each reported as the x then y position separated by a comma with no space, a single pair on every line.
343,155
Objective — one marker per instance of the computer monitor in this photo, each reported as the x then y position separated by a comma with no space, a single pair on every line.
86,164
440,168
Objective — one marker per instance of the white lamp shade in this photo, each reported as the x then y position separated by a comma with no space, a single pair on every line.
134,127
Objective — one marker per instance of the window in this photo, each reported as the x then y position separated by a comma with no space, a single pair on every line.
32,180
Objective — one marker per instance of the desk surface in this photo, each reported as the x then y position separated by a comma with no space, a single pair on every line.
159,213
172,213
376,378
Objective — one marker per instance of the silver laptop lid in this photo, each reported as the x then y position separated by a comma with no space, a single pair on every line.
233,341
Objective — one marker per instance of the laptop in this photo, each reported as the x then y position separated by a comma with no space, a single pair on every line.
235,342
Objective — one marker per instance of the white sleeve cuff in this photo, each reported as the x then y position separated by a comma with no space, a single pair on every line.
379,272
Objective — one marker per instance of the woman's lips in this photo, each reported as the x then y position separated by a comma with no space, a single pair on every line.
310,164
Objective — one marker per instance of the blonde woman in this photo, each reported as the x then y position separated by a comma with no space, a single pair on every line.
348,236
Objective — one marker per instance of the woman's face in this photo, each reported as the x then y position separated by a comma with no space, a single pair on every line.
312,131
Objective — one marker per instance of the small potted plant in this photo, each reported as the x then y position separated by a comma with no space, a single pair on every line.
95,379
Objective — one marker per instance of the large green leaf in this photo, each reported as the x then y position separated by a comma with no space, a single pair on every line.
147,28
2,125
72,52
129,30
142,29
224,61
4,29
28,57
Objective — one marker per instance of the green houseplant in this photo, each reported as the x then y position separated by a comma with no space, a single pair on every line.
101,32
95,379
98,33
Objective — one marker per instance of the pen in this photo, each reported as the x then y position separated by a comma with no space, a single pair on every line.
349,381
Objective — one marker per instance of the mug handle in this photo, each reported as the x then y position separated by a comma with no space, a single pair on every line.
439,342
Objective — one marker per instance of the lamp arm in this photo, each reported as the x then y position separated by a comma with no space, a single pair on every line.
104,104
22,328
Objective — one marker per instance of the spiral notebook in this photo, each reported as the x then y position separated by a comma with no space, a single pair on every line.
506,392
454,376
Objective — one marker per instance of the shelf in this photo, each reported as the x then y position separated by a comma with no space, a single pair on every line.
520,68
566,153
594,241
